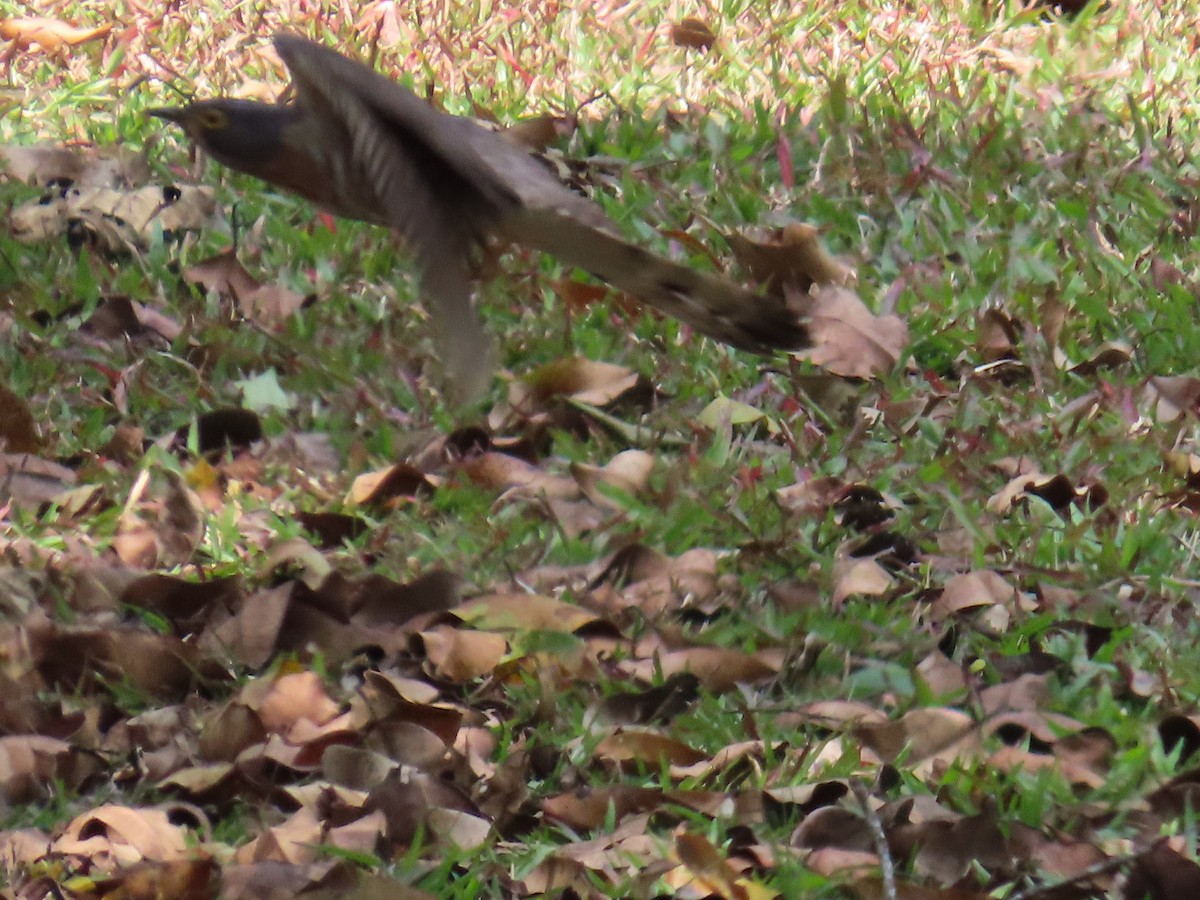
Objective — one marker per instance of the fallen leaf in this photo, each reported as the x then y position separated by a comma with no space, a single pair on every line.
848,339
48,34
692,33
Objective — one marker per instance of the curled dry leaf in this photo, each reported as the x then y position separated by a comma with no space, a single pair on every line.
998,334
538,132
833,826
723,412
1172,396
856,864
640,750
388,488
585,380
29,764
122,319
940,732
1056,490
792,257
42,163
637,576
458,829
706,869
267,304
980,590
459,654
1109,355
32,481
499,471
718,669
692,33
860,577
290,699
1053,314
1018,759
48,34
850,340
948,849
114,221
628,472
589,808
114,836
18,429
527,612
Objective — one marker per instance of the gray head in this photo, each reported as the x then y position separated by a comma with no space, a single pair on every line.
241,134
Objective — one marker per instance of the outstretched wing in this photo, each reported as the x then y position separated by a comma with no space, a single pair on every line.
440,178
395,176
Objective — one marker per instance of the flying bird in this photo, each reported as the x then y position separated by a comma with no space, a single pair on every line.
361,146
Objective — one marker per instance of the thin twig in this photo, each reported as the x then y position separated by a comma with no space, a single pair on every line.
887,868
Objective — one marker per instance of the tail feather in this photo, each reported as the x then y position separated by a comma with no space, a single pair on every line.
710,303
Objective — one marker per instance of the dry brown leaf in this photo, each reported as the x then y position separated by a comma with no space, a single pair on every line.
528,612
924,733
114,220
1163,873
628,472
122,319
641,750
1172,396
457,828
848,339
834,826
28,765
793,257
942,676
846,863
222,274
998,335
976,590
391,487
860,577
295,841
1109,355
114,836
1052,315
589,808
538,132
460,654
48,34
499,471
290,699
32,481
707,869
42,163
18,430
267,304
719,669
595,383
184,879
270,305
1016,759
692,33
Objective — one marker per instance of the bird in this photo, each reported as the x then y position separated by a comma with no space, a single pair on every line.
361,146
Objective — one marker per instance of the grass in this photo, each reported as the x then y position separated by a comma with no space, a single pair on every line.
966,157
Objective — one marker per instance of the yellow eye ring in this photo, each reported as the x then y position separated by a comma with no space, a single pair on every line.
213,119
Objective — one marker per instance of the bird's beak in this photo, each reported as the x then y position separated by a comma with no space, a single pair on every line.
176,114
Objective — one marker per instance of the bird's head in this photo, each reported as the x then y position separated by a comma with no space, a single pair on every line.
241,134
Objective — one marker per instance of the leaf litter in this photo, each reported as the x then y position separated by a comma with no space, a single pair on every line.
210,628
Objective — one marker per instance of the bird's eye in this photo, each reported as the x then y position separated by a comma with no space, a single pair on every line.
214,119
